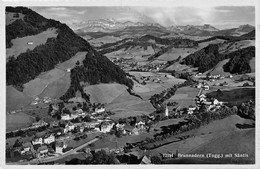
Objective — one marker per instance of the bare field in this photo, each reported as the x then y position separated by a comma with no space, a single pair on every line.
21,45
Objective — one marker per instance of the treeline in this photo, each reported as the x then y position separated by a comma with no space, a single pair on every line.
229,38
26,133
249,35
96,69
31,63
157,99
239,61
209,56
144,42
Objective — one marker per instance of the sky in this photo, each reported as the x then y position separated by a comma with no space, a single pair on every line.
219,16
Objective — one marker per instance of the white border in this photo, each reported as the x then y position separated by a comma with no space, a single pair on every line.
163,3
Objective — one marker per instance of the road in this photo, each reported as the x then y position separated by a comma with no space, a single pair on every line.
51,159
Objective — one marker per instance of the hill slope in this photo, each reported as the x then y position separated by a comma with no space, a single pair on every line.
28,65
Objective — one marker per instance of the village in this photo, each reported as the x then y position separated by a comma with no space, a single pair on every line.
76,123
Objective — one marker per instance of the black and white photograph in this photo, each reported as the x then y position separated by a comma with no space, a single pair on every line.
130,84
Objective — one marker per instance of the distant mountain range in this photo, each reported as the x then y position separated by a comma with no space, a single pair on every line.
111,25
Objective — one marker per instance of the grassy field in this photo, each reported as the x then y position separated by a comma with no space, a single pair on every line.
104,40
233,46
20,44
9,17
127,105
218,69
36,86
16,99
205,135
69,64
18,120
104,93
55,82
184,96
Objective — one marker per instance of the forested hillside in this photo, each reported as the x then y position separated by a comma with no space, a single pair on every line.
27,66
239,61
209,56
95,69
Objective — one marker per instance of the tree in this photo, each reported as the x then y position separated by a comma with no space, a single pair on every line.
101,157
17,143
37,118
245,84
156,160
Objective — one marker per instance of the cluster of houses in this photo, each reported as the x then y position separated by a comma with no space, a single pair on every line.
212,105
126,129
41,146
150,67
203,85
37,100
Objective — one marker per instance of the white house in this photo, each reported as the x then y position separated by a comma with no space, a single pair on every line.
69,127
106,127
166,111
191,110
66,117
206,87
26,147
49,139
29,43
199,85
37,141
100,110
59,146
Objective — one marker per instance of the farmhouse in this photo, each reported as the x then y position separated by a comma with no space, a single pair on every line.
100,110
106,126
69,127
37,141
27,146
39,124
59,146
42,151
66,117
30,43
50,138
